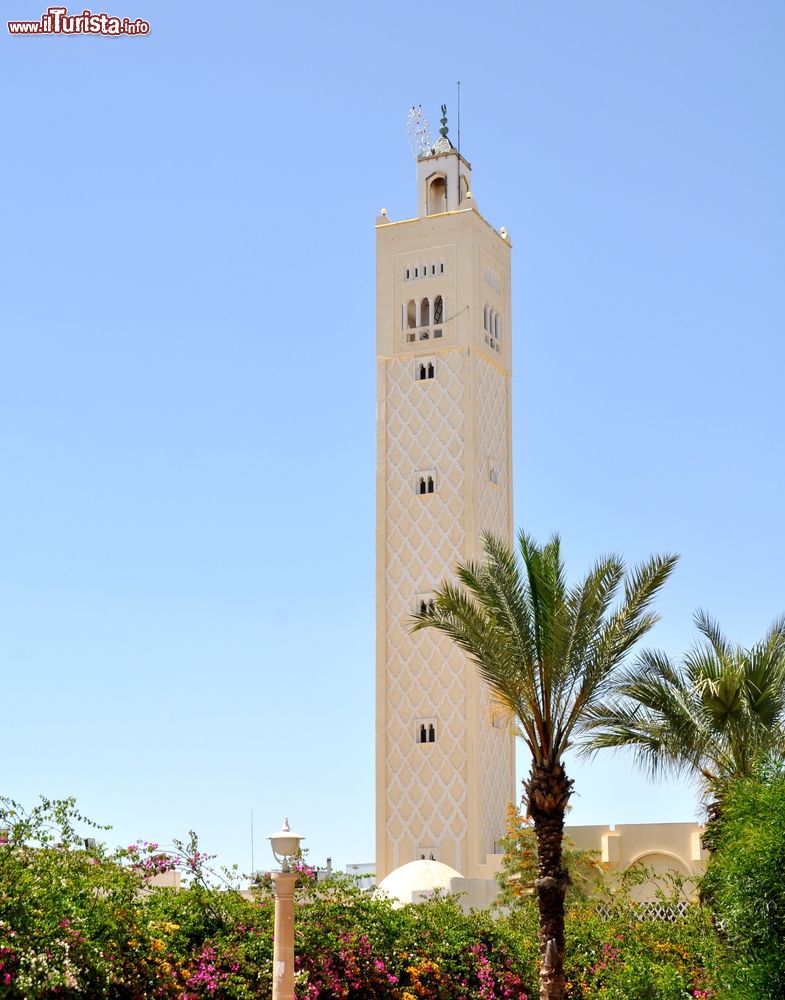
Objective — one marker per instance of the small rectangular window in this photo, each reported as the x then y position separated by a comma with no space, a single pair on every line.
424,731
423,603
425,482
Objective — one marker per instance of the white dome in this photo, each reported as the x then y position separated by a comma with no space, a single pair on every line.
417,876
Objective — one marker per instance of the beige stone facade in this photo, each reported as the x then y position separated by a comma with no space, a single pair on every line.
444,761
660,847
663,848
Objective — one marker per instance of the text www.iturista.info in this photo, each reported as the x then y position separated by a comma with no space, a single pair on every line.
57,21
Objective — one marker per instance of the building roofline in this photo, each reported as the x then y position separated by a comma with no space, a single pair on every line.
458,211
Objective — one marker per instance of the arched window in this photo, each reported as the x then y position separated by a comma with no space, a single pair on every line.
411,314
437,195
438,309
424,731
431,371
485,319
422,373
425,312
497,326
424,481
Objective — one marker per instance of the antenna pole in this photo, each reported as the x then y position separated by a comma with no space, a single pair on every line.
459,141
252,868
459,117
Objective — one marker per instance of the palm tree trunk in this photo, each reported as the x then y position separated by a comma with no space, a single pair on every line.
547,793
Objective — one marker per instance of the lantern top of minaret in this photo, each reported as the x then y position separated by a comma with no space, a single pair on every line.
443,175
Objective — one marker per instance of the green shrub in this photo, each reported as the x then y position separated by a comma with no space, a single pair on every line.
745,884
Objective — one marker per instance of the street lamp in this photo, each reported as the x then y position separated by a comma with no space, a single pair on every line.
285,845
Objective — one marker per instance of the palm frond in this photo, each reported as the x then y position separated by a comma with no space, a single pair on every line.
715,716
545,650
709,628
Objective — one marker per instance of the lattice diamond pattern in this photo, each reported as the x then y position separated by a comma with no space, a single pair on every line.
496,747
426,787
427,795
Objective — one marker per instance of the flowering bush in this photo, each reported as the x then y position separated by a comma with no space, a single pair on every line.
78,923
519,863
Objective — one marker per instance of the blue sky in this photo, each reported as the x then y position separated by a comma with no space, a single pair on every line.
187,382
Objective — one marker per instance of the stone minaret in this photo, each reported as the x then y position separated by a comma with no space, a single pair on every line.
444,758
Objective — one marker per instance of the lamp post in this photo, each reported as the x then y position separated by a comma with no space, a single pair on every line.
284,845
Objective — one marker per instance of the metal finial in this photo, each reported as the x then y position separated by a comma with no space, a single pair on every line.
444,130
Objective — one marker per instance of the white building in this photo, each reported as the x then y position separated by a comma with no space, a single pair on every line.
444,764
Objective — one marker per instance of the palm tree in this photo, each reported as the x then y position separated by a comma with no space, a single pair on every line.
547,652
714,717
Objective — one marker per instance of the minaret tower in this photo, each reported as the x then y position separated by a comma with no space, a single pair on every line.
444,757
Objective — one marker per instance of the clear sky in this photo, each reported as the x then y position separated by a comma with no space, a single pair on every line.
187,380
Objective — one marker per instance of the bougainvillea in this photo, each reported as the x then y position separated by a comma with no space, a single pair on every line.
78,923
